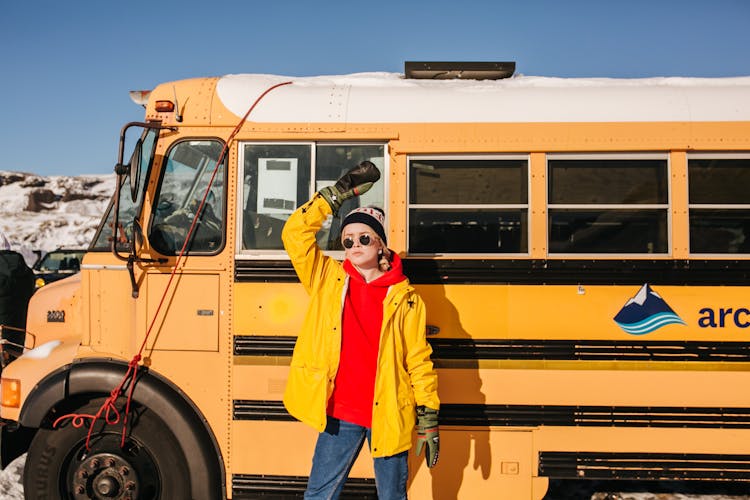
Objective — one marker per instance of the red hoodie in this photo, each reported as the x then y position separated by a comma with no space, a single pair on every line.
362,320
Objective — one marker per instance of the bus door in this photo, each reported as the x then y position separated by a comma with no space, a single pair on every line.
183,308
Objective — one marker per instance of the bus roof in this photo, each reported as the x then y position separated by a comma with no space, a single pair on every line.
390,98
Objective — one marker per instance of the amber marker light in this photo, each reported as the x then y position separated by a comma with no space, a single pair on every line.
164,106
11,392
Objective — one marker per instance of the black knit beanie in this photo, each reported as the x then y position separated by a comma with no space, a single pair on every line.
371,216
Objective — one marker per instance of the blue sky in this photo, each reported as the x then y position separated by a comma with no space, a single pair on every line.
67,66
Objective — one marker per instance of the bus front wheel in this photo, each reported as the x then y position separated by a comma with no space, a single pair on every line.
150,465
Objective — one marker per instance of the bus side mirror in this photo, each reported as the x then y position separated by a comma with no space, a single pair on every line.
136,241
134,168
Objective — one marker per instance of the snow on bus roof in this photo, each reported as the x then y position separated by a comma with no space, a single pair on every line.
389,97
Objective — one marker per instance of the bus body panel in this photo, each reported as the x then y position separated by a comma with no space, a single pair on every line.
539,374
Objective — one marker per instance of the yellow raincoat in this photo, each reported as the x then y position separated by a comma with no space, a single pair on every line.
405,376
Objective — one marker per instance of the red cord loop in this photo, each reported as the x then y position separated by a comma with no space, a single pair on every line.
76,419
111,414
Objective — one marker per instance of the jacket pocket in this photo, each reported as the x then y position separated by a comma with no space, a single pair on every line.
407,411
305,395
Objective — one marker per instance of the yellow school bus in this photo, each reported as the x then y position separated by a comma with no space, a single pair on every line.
581,245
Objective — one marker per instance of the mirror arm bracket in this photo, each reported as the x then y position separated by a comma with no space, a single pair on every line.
132,259
131,272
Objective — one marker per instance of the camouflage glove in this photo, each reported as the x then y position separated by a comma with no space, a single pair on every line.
428,434
355,182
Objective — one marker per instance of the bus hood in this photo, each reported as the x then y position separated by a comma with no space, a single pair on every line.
54,312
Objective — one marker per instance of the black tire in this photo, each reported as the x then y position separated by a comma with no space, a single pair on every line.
151,465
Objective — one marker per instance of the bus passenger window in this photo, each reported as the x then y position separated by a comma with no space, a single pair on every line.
718,203
187,172
331,162
277,178
607,205
475,205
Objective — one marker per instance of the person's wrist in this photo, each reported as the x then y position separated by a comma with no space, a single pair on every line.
333,197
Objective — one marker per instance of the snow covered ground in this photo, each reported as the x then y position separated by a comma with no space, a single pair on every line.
10,480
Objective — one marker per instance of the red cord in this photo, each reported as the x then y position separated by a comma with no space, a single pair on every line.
111,414
78,419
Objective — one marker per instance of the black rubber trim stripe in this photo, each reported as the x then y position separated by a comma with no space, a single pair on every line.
573,272
479,415
590,350
264,271
263,345
423,271
251,409
644,466
521,349
272,486
594,416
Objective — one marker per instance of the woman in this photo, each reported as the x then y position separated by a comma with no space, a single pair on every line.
361,362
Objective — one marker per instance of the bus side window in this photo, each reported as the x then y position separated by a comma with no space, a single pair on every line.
610,204
468,205
276,179
718,203
331,162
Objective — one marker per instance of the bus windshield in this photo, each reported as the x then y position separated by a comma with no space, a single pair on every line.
188,170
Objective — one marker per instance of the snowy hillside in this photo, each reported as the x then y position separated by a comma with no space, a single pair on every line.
45,213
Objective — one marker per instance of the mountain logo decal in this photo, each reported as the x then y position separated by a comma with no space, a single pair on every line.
646,312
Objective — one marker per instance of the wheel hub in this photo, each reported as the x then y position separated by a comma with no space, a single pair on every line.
105,476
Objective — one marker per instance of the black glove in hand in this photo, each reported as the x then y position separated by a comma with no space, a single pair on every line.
355,182
428,435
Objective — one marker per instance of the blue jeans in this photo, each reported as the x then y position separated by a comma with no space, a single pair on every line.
335,452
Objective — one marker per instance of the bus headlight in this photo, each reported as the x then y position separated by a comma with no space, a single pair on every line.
11,392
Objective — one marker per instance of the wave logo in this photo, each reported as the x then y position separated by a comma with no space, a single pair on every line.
646,312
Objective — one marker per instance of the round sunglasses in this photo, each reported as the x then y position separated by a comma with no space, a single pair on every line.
364,240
